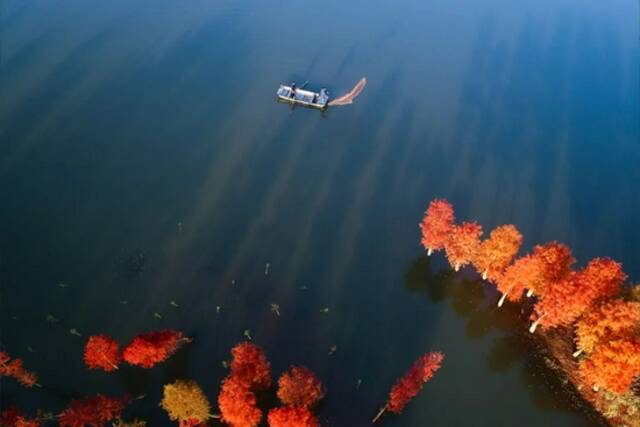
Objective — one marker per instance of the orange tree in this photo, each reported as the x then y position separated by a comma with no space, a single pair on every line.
496,252
299,387
613,366
407,387
436,225
463,244
617,319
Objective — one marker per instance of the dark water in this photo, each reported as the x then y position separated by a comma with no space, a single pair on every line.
144,159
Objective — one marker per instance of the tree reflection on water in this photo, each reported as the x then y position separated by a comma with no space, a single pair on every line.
476,302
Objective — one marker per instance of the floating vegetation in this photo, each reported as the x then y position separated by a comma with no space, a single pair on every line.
52,319
275,309
132,266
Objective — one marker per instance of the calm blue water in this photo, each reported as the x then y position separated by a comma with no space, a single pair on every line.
143,159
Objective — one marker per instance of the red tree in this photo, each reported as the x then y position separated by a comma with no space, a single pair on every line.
523,274
436,225
299,387
612,320
496,252
92,411
292,417
613,366
13,417
13,368
101,352
238,403
463,244
565,300
250,365
407,387
147,350
602,278
555,260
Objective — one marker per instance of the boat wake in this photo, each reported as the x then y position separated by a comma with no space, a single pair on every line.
348,97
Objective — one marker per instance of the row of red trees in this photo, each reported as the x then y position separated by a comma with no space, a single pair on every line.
145,350
94,411
591,298
14,368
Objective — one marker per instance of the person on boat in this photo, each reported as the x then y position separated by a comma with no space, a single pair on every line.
293,89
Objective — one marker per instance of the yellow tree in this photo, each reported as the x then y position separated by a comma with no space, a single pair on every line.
185,402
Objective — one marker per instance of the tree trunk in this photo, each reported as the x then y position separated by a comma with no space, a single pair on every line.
534,325
384,408
502,299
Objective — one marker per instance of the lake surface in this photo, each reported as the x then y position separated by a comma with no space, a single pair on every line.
144,160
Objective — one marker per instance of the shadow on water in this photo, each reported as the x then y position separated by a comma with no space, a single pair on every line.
473,300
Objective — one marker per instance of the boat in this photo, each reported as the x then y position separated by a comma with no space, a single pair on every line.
300,96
